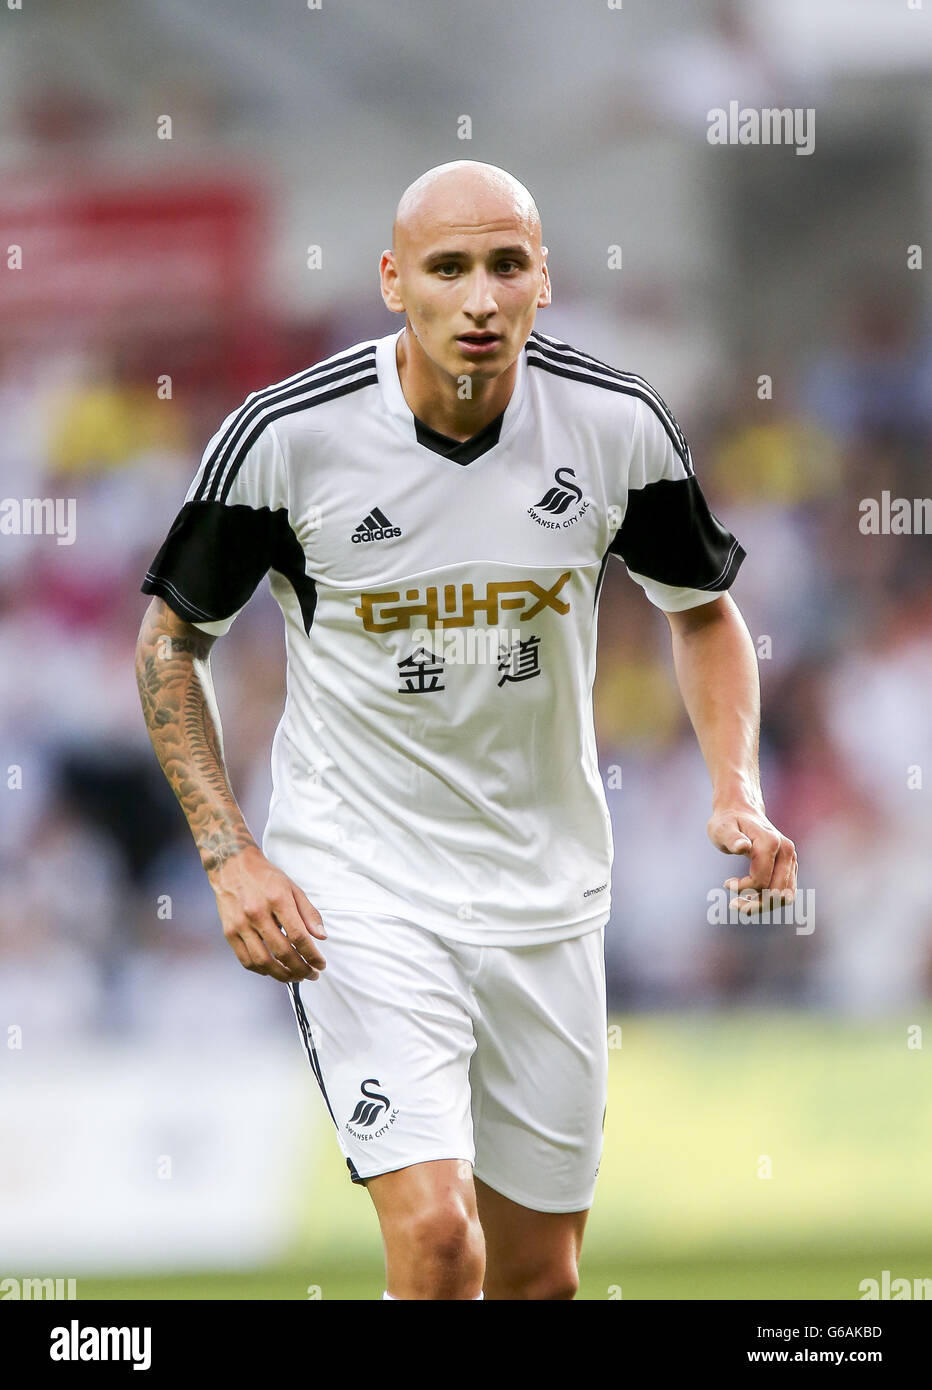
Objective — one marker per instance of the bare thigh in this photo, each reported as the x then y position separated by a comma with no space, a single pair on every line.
529,1254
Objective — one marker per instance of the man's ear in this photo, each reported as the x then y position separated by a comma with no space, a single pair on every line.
388,275
543,299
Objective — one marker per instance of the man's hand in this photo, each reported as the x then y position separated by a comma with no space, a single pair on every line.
266,918
771,880
716,666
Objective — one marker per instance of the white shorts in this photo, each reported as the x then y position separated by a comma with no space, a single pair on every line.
426,1048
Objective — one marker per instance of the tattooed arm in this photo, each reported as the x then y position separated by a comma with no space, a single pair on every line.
268,921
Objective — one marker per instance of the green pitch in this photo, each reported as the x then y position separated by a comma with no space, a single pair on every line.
832,1278
746,1156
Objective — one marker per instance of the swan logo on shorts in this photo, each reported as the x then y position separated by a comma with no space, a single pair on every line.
369,1108
373,1106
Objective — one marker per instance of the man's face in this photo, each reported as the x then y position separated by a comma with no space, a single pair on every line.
470,278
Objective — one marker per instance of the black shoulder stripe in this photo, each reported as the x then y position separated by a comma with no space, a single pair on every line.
288,408
565,351
626,389
229,455
556,351
302,389
278,390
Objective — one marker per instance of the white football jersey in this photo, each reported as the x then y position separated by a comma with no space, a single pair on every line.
436,758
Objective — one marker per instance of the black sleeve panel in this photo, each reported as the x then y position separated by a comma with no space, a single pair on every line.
669,534
215,556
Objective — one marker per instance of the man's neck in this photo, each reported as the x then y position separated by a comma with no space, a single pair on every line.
434,397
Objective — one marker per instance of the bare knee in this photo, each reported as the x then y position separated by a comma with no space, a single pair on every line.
436,1251
551,1280
443,1233
558,1281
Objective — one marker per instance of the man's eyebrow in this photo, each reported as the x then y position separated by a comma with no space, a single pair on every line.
438,257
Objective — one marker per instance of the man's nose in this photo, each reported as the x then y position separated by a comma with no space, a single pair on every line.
480,301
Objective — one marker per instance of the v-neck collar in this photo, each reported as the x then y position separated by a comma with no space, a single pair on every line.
460,450
502,427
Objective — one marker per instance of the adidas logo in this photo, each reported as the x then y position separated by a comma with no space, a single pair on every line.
375,527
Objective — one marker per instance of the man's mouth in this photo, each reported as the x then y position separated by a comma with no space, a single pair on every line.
475,343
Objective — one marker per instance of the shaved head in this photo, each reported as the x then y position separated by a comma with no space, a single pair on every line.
463,192
468,271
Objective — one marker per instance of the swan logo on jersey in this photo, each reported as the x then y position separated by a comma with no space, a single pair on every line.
525,598
373,1107
556,500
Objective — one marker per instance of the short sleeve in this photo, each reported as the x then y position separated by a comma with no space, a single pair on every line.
672,544
232,529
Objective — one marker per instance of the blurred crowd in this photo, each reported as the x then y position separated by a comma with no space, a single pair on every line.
842,622
107,923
